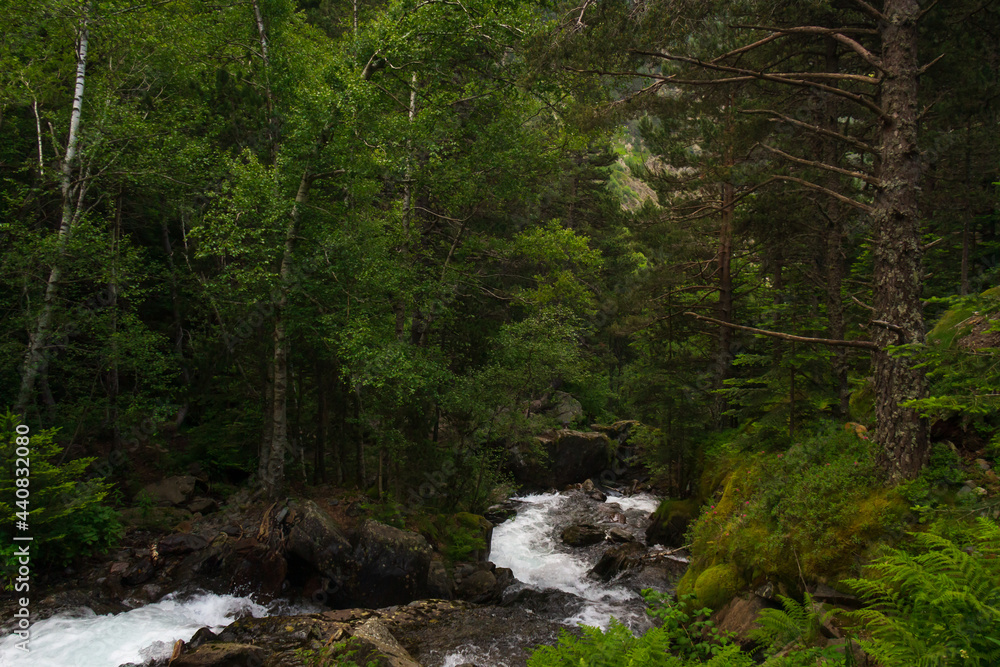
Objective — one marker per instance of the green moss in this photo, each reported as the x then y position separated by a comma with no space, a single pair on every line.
718,585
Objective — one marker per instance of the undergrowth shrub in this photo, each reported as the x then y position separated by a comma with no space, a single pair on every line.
936,607
66,515
813,510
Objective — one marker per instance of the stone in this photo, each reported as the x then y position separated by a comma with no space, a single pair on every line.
617,559
824,593
564,408
983,465
582,535
180,543
139,573
392,566
477,587
439,584
203,505
739,616
316,539
619,535
172,490
569,457
222,655
389,651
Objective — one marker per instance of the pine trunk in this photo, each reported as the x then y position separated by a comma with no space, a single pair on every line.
897,250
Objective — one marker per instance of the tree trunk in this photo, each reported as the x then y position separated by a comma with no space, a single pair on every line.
72,193
274,472
322,427
897,249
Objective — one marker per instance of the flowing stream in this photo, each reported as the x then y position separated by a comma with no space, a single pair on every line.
531,546
553,589
85,639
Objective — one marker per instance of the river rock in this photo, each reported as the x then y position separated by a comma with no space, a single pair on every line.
172,490
139,572
180,543
392,566
569,457
203,505
619,535
439,584
618,559
384,646
477,587
222,655
582,535
317,540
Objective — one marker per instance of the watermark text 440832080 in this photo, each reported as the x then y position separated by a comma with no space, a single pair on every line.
22,537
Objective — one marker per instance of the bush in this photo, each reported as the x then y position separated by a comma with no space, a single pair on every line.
938,607
64,511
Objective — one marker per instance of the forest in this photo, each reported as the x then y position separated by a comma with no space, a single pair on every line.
332,244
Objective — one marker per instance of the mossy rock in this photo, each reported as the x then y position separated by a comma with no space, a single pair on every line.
670,522
686,584
718,585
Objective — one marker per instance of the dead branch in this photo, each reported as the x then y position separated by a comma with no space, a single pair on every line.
836,195
857,143
833,342
822,165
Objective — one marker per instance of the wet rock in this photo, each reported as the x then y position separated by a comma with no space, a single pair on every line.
259,569
172,490
582,535
477,587
619,535
180,543
505,511
139,572
392,566
670,522
618,559
222,655
439,583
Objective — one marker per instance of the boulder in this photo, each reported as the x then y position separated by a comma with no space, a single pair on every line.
180,543
392,566
203,505
316,539
477,587
564,408
222,655
618,559
439,584
582,535
739,616
382,645
619,535
670,522
172,491
139,572
566,457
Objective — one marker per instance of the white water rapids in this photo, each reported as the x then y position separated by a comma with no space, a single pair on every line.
528,544
84,639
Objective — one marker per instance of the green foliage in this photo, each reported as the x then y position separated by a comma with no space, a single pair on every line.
796,622
935,604
815,506
64,509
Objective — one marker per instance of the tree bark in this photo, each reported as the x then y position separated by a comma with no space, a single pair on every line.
274,472
72,193
897,249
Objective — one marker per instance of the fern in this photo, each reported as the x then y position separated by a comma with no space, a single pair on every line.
937,608
798,622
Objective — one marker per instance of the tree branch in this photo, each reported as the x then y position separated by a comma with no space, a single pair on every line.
836,195
822,165
782,78
833,342
857,143
870,10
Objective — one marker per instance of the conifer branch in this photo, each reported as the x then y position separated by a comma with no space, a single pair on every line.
822,165
833,342
857,143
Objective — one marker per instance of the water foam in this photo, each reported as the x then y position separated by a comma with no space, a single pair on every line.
83,639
